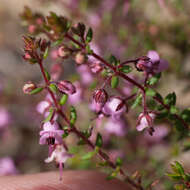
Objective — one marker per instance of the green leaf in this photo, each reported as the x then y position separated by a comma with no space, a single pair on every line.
174,176
174,110
57,42
112,176
114,81
81,28
170,99
36,90
48,118
119,162
137,101
99,141
89,35
63,99
113,60
47,75
179,168
53,88
46,53
186,115
153,80
88,50
126,69
88,156
73,115
150,92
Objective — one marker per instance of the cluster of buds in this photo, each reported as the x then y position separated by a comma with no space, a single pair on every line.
31,47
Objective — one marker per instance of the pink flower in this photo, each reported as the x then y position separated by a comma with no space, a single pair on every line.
60,156
7,166
85,74
4,117
161,131
96,107
51,134
116,127
114,107
31,29
145,120
67,87
42,107
159,64
77,96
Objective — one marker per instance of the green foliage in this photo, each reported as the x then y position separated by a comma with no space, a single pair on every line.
170,99
153,80
73,115
114,81
89,35
137,101
63,99
48,118
53,88
36,90
126,69
99,141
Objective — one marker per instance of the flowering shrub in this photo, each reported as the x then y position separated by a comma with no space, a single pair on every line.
111,87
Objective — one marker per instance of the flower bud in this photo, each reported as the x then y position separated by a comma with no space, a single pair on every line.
100,96
67,87
96,67
31,28
144,64
28,87
63,51
27,56
80,58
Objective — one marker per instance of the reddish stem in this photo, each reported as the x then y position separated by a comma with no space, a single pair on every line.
79,134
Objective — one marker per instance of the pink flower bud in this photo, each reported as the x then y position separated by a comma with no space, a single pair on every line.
28,87
31,28
96,67
63,52
100,96
67,87
80,58
27,56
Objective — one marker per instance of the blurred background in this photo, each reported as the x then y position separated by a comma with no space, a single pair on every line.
125,28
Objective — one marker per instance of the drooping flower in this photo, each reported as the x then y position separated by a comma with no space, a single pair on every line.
51,134
146,120
7,166
114,107
43,106
60,156
152,63
159,64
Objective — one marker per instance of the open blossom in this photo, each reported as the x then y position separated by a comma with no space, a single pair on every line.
116,127
114,107
161,131
60,156
7,166
152,63
51,134
145,120
160,64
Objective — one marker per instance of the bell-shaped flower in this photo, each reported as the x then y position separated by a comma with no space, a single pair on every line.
115,107
51,134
